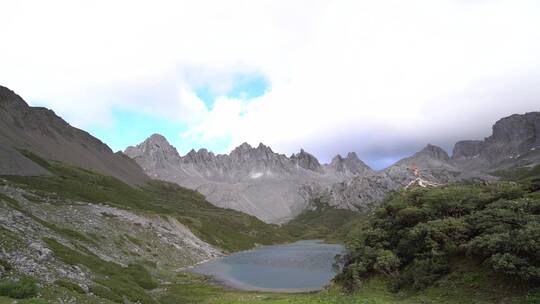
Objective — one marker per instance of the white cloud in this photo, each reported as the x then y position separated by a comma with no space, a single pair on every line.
392,70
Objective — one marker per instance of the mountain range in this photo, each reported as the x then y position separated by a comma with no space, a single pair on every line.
276,188
256,180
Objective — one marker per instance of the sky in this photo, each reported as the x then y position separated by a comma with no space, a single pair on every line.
381,78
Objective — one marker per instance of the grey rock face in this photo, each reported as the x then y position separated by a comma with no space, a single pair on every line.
254,180
515,142
514,137
307,161
467,149
40,131
349,166
360,192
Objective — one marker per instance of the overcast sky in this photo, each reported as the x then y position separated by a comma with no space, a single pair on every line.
382,78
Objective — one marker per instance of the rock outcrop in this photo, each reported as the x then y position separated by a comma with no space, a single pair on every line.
515,139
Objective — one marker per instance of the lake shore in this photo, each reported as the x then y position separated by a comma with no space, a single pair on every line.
301,267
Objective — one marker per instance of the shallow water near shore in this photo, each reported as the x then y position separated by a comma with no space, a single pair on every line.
302,266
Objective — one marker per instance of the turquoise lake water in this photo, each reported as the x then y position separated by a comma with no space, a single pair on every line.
297,267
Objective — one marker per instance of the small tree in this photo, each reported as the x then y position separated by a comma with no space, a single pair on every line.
387,263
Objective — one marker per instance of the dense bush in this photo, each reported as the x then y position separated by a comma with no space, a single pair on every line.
21,289
415,236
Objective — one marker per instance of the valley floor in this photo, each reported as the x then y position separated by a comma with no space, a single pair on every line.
459,288
79,237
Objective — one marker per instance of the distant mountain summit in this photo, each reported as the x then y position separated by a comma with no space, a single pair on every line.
41,131
349,166
307,161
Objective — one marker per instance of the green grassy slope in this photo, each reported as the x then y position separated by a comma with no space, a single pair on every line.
444,240
319,222
227,229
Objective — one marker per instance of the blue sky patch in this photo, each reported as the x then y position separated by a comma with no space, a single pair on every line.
244,87
131,128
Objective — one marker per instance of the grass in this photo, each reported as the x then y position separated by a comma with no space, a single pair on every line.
19,289
131,282
231,231
462,286
69,285
227,229
69,233
520,173
320,222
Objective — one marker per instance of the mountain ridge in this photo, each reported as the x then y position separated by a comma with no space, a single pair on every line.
235,180
41,131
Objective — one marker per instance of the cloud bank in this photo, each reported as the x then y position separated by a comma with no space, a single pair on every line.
381,78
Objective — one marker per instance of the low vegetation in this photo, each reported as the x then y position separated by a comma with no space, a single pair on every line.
469,243
321,221
113,281
19,289
227,229
421,236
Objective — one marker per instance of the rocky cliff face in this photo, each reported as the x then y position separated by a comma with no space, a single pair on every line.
40,131
514,139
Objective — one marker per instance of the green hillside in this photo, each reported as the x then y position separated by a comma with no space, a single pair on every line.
468,243
227,229
419,237
321,221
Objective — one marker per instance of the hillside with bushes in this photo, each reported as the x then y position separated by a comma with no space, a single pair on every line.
421,236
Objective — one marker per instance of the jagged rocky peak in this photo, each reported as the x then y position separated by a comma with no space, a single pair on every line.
434,152
243,147
349,165
201,156
307,161
155,148
246,151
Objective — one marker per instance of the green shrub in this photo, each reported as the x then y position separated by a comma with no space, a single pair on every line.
130,282
21,289
5,264
70,285
106,293
533,297
141,276
415,234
